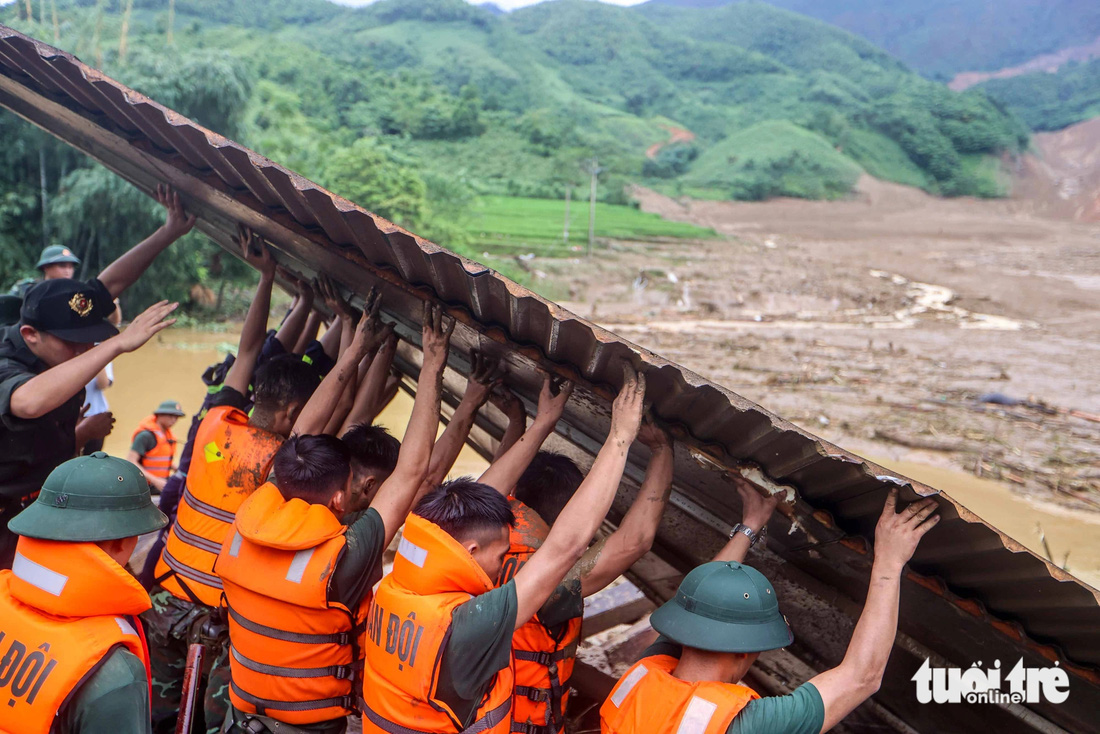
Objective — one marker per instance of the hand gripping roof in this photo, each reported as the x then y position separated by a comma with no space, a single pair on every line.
971,594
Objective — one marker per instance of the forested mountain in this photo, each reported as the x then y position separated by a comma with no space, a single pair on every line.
941,38
415,108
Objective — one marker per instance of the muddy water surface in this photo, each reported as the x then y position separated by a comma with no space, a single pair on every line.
171,367
1072,536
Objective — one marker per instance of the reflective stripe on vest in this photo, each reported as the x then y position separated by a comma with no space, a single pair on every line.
157,460
46,655
204,509
407,628
649,699
628,684
485,723
38,575
230,460
697,717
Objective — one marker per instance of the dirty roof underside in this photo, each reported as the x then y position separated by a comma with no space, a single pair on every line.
973,594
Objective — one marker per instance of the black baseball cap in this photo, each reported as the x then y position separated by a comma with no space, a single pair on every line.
69,309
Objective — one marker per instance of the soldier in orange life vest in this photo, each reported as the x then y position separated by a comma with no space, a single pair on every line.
725,614
73,658
439,631
232,458
297,580
545,647
543,482
153,447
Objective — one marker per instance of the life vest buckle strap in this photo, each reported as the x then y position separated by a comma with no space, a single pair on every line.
532,693
518,728
263,704
341,638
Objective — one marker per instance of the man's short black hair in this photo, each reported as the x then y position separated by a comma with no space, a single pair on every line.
373,449
465,508
548,484
312,468
282,380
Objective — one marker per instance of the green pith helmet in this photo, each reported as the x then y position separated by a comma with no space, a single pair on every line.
169,407
724,607
91,498
55,254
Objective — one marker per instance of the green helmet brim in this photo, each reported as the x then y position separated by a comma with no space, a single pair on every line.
706,633
45,522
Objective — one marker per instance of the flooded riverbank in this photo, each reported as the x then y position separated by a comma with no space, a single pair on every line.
1073,536
171,367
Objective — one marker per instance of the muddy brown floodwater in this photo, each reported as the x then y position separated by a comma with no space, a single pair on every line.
879,323
171,367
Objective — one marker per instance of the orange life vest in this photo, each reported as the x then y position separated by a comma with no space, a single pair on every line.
407,628
157,460
63,608
230,461
649,699
290,649
543,659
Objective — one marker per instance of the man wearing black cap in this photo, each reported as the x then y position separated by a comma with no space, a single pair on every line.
61,343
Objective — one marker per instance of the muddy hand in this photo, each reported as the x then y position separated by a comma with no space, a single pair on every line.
436,335
551,403
486,373
898,533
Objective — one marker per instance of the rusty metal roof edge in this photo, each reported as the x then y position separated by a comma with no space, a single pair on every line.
688,379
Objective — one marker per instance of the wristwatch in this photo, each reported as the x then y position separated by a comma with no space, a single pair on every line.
745,530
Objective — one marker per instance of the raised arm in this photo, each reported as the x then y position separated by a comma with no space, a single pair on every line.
257,254
121,274
581,517
503,473
634,536
51,389
295,322
369,392
330,340
508,403
859,674
309,333
317,412
397,494
485,374
756,511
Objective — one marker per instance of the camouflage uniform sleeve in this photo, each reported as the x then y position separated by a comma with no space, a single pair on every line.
115,699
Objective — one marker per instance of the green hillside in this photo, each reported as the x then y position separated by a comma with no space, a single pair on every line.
941,38
420,109
1051,101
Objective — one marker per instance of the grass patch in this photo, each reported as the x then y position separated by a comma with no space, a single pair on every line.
883,158
502,224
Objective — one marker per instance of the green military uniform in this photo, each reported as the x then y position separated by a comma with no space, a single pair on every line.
91,499
30,448
742,616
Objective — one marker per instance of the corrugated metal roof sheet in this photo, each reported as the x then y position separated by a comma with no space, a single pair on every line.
972,595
